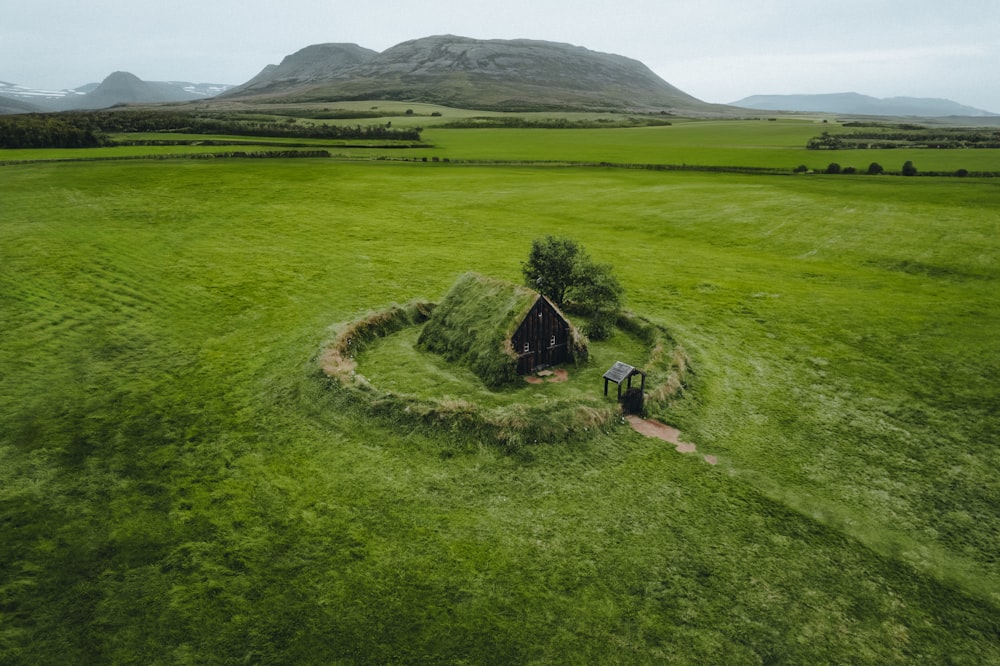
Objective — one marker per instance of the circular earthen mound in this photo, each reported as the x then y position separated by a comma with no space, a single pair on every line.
508,425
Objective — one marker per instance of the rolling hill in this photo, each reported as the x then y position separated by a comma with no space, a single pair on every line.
459,71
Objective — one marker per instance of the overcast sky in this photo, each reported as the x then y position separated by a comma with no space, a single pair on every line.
716,50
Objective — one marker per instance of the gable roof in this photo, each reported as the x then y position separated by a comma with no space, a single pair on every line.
474,323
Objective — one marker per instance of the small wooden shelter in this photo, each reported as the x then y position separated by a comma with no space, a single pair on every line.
634,397
500,330
621,372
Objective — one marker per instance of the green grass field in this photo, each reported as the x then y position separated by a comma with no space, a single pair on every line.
777,144
178,484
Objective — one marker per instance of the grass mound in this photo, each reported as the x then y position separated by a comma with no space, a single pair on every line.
512,418
475,322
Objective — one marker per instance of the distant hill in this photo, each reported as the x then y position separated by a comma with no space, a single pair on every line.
464,72
118,88
14,104
18,99
856,104
126,88
313,64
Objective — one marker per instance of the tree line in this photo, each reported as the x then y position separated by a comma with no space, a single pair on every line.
88,129
519,122
913,138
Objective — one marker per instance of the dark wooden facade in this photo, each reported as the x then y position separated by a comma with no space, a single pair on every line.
542,339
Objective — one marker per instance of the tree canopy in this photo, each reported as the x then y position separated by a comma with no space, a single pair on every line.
550,264
560,269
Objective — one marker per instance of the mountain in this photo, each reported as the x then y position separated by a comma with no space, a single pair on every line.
118,88
856,104
126,88
312,64
14,104
19,99
464,72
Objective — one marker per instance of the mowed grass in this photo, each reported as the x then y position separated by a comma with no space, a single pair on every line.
178,485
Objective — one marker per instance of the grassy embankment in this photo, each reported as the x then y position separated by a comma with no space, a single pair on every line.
176,485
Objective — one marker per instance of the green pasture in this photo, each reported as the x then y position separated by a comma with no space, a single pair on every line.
179,483
733,143
772,144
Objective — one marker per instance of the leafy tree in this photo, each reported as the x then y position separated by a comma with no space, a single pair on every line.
561,269
596,291
909,169
875,169
550,265
833,167
802,168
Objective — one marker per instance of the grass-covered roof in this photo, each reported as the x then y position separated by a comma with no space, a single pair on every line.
474,323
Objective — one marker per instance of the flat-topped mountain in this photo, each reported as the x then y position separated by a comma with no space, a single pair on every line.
856,104
459,71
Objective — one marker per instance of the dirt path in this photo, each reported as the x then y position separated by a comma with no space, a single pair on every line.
651,428
558,375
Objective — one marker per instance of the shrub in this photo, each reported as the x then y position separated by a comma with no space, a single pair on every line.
833,167
909,169
875,169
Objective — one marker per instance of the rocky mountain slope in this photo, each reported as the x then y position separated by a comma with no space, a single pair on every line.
856,104
459,71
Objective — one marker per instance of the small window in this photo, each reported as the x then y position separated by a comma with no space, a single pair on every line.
552,341
527,347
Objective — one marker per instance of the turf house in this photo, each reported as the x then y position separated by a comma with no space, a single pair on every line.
501,330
